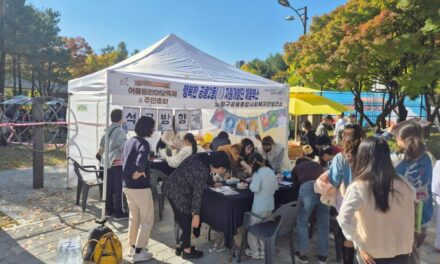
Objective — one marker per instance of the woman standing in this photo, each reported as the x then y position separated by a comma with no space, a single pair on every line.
374,202
340,175
264,184
136,182
189,148
184,188
414,163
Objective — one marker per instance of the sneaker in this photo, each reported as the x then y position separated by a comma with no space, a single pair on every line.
322,259
120,216
144,255
194,254
248,252
301,259
130,252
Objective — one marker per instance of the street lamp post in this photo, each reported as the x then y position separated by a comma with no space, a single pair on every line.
302,16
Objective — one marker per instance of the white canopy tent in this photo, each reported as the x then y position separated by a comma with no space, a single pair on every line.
169,74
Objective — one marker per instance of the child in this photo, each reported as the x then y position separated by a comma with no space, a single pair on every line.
264,184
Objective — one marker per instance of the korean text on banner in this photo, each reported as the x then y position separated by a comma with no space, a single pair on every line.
181,120
196,120
165,117
131,116
149,91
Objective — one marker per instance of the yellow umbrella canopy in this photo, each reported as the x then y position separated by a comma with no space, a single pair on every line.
301,89
312,104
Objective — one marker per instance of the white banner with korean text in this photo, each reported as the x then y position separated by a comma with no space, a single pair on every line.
139,90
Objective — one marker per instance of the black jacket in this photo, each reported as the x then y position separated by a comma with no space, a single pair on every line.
135,157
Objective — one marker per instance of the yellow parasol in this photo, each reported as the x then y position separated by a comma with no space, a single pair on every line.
312,104
304,101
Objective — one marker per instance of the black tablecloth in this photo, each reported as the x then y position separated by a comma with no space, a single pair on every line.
225,213
161,165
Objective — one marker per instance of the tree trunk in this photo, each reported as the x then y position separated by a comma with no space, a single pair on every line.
20,87
14,74
403,113
359,105
33,82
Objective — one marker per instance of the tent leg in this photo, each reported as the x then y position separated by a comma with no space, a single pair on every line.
106,158
296,127
68,142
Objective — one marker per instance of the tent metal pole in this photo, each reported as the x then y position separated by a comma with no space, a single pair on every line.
296,127
106,158
68,142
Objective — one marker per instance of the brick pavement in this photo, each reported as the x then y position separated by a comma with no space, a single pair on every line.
49,214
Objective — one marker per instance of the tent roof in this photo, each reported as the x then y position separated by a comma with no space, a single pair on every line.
172,58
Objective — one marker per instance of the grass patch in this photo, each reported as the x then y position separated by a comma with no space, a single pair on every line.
6,221
14,157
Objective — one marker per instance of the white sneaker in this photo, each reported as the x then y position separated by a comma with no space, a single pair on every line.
248,252
144,255
130,252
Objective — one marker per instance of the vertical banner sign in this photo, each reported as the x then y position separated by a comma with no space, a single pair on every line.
131,116
181,120
150,112
165,120
196,120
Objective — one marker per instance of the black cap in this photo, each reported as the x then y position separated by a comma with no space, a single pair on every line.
220,159
328,117
352,115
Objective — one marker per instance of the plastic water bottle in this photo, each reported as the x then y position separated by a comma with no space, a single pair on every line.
61,252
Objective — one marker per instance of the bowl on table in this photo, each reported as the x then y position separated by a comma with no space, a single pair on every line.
232,181
242,185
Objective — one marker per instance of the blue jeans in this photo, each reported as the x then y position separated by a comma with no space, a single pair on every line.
308,200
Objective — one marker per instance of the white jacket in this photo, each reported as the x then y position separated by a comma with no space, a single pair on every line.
177,158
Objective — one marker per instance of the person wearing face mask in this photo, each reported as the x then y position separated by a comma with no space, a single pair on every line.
246,150
184,189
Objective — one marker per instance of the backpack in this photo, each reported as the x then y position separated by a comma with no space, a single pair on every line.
103,247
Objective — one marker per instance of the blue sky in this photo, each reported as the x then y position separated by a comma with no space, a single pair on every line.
230,30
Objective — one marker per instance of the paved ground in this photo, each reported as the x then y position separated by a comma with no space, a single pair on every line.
47,215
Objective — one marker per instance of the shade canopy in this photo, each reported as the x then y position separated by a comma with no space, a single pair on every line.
312,104
302,89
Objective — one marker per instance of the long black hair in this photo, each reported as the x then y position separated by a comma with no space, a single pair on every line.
244,143
410,133
190,138
373,165
257,161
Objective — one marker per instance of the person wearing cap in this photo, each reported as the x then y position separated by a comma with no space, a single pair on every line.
184,188
136,182
275,154
323,127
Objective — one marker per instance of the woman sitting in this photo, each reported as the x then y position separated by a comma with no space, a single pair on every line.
189,148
